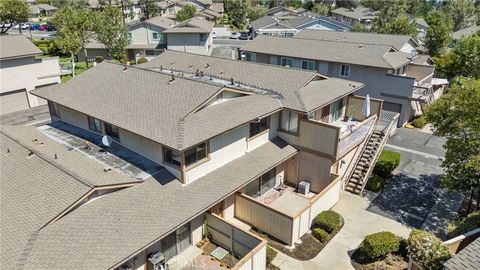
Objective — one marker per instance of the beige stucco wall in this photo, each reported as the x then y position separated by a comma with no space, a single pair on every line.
315,169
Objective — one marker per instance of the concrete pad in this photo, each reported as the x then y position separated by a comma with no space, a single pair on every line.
289,203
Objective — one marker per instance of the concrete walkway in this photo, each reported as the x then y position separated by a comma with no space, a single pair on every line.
359,222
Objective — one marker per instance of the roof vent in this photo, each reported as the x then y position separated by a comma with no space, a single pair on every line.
231,81
172,80
125,67
189,67
8,150
107,169
161,68
360,46
197,73
207,66
30,153
55,157
221,72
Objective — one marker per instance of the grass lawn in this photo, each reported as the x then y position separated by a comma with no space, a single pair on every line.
79,69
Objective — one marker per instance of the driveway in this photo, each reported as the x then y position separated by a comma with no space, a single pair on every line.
414,196
358,223
35,116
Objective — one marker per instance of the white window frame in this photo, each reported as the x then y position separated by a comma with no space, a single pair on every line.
158,34
289,121
347,70
308,62
287,59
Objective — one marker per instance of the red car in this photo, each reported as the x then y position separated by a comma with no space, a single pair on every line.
46,27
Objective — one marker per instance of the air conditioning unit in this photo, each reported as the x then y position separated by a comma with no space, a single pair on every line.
304,187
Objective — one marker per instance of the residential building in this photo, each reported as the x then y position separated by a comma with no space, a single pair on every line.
21,72
205,143
465,32
37,12
290,26
352,16
387,64
205,8
151,37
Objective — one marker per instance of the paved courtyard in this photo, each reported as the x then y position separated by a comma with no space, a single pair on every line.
35,116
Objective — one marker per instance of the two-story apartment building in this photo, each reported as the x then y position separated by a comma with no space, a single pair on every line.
387,64
194,36
21,72
352,16
215,143
205,8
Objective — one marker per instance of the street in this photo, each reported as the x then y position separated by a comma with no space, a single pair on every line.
35,34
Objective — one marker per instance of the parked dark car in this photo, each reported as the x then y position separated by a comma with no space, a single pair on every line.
35,26
46,27
244,35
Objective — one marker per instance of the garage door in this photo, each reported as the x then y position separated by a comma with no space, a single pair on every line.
393,107
13,101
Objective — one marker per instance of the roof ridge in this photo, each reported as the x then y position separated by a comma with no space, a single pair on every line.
51,162
356,33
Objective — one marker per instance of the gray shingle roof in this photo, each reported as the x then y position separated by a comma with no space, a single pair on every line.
467,259
396,41
15,46
285,81
160,21
35,9
331,51
102,235
465,32
194,25
360,13
263,22
33,192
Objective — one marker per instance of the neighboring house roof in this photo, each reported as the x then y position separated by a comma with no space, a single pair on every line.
267,21
17,46
396,41
421,22
465,32
35,9
159,21
194,25
217,7
360,13
116,227
467,259
331,51
211,14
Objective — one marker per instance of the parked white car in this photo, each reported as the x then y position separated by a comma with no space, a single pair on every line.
214,35
234,35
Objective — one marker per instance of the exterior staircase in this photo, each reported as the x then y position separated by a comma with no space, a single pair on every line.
370,151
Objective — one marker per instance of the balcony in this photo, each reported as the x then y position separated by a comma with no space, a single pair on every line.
338,138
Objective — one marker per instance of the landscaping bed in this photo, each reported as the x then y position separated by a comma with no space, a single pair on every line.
308,246
395,260
229,261
382,172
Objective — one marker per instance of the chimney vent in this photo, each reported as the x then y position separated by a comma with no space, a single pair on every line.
30,153
55,157
172,80
231,81
8,150
207,66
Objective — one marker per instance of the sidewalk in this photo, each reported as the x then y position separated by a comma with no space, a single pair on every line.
359,222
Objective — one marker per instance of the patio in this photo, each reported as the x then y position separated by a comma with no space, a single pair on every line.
285,200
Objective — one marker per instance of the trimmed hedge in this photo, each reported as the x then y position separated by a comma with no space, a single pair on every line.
419,122
386,163
462,226
379,244
328,221
321,235
426,249
271,254
142,60
375,183
99,59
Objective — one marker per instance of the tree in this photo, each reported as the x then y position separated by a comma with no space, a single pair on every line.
294,3
460,11
322,9
111,32
187,12
347,3
256,12
74,29
462,60
13,12
455,116
359,28
399,26
149,8
237,11
308,5
438,34
393,19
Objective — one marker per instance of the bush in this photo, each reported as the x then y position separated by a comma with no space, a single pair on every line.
426,249
419,122
44,49
462,226
379,244
321,235
328,221
141,60
375,183
386,163
271,254
99,59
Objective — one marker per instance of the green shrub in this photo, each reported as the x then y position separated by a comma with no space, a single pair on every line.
271,254
321,235
328,221
142,60
379,244
462,226
419,122
375,183
426,249
99,59
42,42
44,49
386,163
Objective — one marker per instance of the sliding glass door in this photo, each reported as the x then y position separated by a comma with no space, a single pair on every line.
261,185
176,242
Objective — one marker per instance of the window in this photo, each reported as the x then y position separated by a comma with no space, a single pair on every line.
157,36
152,52
251,56
345,70
94,124
261,185
287,62
336,110
203,40
195,154
112,131
308,65
129,35
53,107
289,121
171,157
259,126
